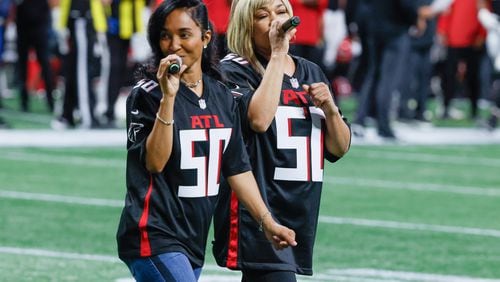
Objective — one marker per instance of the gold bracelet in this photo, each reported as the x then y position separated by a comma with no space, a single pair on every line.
261,222
164,121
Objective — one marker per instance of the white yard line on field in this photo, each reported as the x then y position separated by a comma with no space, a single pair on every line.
421,187
360,182
64,138
324,219
61,199
426,158
55,254
117,137
410,226
415,135
212,273
388,275
380,155
61,159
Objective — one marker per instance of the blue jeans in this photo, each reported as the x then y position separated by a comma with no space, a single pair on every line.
167,267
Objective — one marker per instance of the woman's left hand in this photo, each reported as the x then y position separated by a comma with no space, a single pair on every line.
321,97
280,236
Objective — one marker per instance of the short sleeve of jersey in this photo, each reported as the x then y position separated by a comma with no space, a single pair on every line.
242,80
141,107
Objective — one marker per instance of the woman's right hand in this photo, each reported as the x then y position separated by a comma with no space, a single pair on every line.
169,83
279,40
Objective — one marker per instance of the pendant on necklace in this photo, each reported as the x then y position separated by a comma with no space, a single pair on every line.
294,82
203,104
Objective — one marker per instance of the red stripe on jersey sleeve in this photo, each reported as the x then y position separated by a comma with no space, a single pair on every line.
143,222
232,250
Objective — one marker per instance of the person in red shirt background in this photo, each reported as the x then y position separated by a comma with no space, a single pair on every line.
464,38
218,12
307,41
155,3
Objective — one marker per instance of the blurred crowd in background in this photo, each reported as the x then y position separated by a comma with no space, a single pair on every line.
393,57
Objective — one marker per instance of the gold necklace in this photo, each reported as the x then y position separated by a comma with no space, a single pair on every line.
191,85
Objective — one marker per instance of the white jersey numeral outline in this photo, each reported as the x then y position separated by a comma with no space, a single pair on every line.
308,149
146,85
207,170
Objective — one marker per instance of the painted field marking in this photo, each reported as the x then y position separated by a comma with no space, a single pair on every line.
410,226
223,274
388,275
426,158
55,254
422,187
360,182
384,155
61,199
323,218
49,138
65,160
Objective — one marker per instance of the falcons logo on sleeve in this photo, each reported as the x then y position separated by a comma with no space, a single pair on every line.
133,129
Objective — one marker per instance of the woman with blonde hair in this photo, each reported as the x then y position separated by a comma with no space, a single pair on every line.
290,124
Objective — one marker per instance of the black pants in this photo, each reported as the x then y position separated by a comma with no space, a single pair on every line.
268,276
80,67
118,52
32,36
472,58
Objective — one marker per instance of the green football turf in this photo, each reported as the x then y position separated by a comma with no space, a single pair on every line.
409,210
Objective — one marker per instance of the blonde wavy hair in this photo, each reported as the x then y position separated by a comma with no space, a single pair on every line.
240,29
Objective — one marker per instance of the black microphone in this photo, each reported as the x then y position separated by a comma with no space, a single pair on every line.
290,23
175,67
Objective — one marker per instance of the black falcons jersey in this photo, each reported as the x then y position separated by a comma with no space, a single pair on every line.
171,211
287,162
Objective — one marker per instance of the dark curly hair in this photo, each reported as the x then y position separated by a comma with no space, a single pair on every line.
199,14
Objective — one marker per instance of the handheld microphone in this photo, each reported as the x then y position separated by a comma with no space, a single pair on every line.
175,67
290,23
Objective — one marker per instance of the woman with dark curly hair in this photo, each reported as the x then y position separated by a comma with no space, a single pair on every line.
174,169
